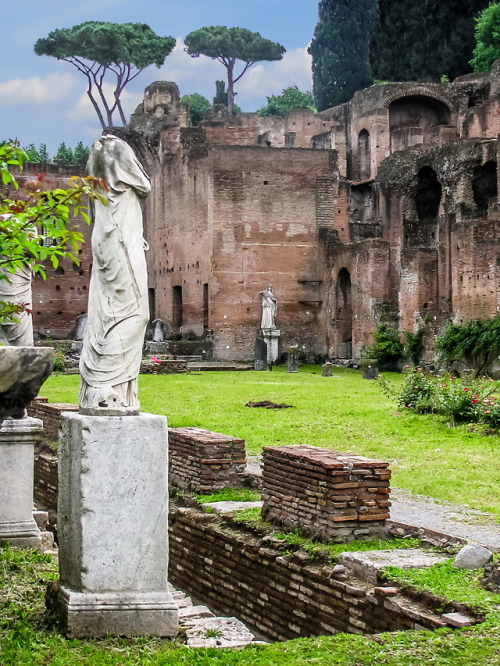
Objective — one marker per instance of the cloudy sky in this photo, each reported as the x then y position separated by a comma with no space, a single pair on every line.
43,99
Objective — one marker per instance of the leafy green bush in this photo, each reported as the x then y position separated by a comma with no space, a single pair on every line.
387,348
475,343
459,400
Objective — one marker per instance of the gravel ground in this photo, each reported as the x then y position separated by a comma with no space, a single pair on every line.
455,519
421,511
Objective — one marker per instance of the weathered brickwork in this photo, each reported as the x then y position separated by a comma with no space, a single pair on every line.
385,208
281,596
46,470
329,495
204,461
50,414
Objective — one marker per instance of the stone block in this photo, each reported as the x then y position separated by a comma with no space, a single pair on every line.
112,479
17,443
472,556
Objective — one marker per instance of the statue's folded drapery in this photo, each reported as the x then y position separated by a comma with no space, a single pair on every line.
118,302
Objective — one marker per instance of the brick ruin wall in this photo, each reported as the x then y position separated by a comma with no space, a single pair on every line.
330,495
204,461
241,202
281,596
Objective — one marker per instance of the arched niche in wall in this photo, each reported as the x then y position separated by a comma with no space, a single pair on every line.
422,231
343,314
416,119
364,155
485,184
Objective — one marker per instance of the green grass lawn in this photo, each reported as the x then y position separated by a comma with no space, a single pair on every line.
344,413
27,640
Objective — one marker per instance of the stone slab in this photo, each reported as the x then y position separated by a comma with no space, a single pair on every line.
459,620
367,565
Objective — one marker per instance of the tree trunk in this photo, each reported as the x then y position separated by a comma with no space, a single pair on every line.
230,85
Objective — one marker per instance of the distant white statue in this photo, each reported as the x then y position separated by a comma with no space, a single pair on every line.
17,290
118,308
269,306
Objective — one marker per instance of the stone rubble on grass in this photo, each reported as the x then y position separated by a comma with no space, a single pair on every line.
203,629
459,620
472,556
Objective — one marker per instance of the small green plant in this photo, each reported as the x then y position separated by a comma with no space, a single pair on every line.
230,495
387,349
251,517
331,551
212,633
59,361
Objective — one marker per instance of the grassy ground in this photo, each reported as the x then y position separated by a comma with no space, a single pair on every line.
27,640
344,413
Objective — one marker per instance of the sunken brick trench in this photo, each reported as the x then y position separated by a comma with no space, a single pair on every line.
280,595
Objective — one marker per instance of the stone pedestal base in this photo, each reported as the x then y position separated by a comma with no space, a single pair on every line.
84,614
271,337
113,527
17,443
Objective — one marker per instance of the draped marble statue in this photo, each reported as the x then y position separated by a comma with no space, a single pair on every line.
269,306
17,332
118,309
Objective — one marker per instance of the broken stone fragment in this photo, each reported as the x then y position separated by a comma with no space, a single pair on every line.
472,556
22,372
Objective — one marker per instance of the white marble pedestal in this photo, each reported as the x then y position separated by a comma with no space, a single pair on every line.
17,444
271,337
113,527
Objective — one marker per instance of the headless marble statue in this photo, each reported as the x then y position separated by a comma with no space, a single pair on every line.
118,309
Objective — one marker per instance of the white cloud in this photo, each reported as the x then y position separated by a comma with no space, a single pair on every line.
270,78
36,90
261,80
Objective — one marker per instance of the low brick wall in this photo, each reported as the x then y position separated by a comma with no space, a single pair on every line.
281,596
205,461
327,494
46,480
50,413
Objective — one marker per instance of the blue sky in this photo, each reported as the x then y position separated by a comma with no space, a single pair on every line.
43,100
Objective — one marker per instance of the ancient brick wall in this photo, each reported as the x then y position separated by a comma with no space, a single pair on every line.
50,414
281,596
204,461
58,300
329,495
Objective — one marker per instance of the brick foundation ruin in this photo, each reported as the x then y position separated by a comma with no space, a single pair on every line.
330,495
205,461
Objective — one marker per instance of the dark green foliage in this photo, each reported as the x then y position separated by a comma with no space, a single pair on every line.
291,98
424,40
387,350
228,45
220,93
198,105
64,155
457,399
81,154
98,49
475,343
487,35
340,50
414,345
